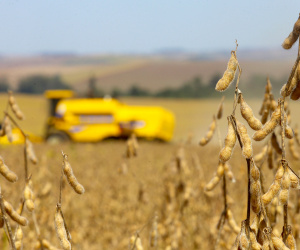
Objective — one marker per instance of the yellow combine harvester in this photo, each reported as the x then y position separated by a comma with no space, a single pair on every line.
95,119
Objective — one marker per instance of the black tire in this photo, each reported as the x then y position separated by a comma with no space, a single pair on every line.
57,137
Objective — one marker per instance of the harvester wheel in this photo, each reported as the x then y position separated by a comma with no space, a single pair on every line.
57,137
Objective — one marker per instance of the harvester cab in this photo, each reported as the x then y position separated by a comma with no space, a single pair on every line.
54,96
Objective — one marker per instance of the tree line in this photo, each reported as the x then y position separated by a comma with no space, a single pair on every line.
194,88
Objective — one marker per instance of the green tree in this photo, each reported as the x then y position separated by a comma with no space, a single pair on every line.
38,84
4,85
134,90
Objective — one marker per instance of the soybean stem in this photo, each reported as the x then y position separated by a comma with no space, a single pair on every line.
285,165
25,162
248,172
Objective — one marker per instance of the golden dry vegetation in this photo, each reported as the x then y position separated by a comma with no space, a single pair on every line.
123,196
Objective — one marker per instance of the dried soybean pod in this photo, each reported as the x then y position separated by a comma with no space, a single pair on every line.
244,241
6,172
138,243
246,141
290,241
229,173
47,245
286,92
296,92
293,36
247,114
258,157
130,150
230,141
269,126
265,112
278,243
213,183
220,109
14,106
285,187
30,151
275,144
268,88
289,133
232,222
228,75
210,133
294,179
296,133
18,238
28,198
254,244
154,232
273,210
290,40
292,149
286,181
78,188
7,129
61,230
264,103
220,169
272,192
254,171
273,104
283,196
255,224
255,196
14,215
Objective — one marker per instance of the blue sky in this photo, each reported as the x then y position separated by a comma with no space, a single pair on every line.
140,26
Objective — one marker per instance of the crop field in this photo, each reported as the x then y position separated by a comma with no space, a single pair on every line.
157,199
